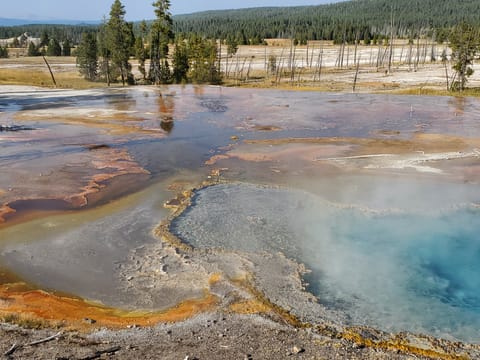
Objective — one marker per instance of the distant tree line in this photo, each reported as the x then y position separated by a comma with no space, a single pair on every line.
72,33
364,20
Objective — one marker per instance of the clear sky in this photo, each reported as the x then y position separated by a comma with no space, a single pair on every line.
136,9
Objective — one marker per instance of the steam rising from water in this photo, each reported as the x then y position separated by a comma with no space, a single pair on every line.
397,271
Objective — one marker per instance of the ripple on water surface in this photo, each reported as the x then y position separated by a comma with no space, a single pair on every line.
395,271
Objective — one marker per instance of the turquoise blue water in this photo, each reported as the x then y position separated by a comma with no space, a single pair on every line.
397,270
400,271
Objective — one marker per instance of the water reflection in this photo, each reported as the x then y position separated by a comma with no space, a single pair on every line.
166,109
167,125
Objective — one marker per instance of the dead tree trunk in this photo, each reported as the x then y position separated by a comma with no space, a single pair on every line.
307,56
266,62
293,64
356,75
410,51
356,47
248,70
319,64
311,56
417,61
391,43
220,56
50,70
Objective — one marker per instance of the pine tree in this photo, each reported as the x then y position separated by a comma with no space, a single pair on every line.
119,40
160,35
44,39
180,61
464,42
87,56
33,50
54,48
66,48
104,53
3,52
140,51
232,45
203,58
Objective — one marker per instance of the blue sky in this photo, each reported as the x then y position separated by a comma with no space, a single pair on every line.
136,9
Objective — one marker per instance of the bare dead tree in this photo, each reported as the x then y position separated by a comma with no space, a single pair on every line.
266,62
243,67
356,75
391,41
247,77
417,61
50,70
236,69
444,61
311,56
291,55
307,55
410,53
292,69
319,64
357,35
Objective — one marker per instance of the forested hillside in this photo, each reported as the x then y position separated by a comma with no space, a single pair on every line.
362,18
349,20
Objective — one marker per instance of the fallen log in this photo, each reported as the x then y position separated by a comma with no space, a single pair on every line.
99,353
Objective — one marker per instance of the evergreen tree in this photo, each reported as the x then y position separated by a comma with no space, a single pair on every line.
54,48
3,52
464,41
140,51
66,48
104,53
44,39
203,61
119,41
87,56
180,61
33,50
232,45
160,36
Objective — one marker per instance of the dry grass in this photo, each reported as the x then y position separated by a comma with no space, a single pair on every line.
26,322
65,80
32,71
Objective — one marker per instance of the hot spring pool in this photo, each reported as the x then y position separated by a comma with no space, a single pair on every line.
395,270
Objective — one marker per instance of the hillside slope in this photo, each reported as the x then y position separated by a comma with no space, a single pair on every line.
365,17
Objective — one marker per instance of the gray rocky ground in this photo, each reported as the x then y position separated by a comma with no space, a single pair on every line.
209,336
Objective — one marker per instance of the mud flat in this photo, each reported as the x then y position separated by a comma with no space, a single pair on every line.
229,231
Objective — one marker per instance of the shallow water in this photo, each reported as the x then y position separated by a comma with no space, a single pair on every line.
388,246
416,271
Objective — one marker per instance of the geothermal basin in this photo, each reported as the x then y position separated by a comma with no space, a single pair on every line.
353,209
